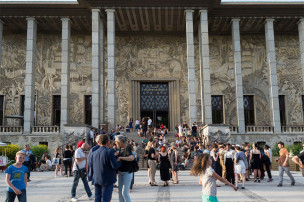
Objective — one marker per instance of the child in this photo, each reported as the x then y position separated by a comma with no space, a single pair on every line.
16,179
208,177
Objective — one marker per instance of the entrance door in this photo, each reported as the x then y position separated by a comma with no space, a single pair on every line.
154,103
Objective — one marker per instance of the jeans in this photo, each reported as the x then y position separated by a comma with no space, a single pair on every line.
75,184
103,193
281,173
124,182
10,196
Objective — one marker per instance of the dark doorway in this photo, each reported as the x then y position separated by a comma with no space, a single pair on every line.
154,103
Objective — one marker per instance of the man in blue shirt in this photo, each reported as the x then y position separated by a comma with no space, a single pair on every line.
27,161
104,170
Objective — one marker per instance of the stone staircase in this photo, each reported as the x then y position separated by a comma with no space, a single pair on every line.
143,163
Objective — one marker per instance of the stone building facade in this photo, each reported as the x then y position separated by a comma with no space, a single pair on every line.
99,53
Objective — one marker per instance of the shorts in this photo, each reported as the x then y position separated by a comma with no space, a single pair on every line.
240,168
207,198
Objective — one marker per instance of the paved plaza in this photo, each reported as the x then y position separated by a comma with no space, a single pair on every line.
46,188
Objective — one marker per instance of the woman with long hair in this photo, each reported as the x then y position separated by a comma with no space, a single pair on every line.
59,165
255,160
164,165
149,145
125,173
202,167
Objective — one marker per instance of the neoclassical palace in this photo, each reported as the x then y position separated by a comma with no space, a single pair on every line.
222,63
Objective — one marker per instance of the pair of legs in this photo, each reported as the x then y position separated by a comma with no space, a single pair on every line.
75,184
257,172
152,166
287,171
124,182
237,179
67,165
175,176
103,193
59,166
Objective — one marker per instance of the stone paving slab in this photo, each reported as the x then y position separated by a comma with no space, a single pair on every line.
44,187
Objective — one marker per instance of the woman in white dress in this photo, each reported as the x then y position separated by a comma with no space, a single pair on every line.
240,168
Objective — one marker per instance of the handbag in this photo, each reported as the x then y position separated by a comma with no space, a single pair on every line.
135,166
82,172
55,161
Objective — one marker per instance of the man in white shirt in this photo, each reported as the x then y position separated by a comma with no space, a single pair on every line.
149,122
78,167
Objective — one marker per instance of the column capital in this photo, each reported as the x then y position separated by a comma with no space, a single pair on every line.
235,20
95,10
110,10
31,18
300,21
269,20
189,11
203,10
65,19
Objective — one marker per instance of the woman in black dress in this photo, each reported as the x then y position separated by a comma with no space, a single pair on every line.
255,160
164,166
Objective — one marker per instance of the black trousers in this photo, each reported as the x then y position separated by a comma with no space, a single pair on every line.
267,165
229,170
28,164
68,164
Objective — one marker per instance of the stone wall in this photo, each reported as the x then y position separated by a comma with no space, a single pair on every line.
147,57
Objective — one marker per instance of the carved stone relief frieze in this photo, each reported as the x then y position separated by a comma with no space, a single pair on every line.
290,80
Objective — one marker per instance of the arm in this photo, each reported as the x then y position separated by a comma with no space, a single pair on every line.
250,156
295,159
115,165
286,160
127,158
10,184
217,177
78,160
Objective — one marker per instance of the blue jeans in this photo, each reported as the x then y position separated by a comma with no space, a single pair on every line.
10,196
124,182
75,184
103,193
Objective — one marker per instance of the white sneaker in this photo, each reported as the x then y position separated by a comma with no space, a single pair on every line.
74,199
91,197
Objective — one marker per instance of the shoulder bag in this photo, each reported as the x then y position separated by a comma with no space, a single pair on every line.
82,172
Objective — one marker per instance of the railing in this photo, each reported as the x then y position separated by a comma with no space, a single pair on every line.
11,129
45,129
292,129
234,129
259,129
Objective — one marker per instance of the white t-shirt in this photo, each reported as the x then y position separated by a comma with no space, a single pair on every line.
79,154
149,122
137,122
49,163
91,134
180,129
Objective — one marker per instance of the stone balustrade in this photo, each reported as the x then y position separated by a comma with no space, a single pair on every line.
293,129
11,129
259,129
45,129
234,129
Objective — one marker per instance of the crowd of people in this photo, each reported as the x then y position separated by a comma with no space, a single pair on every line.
115,156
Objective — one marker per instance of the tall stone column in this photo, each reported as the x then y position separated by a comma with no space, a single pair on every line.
191,66
111,68
301,42
30,69
273,79
65,72
1,37
95,67
236,41
102,84
205,68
